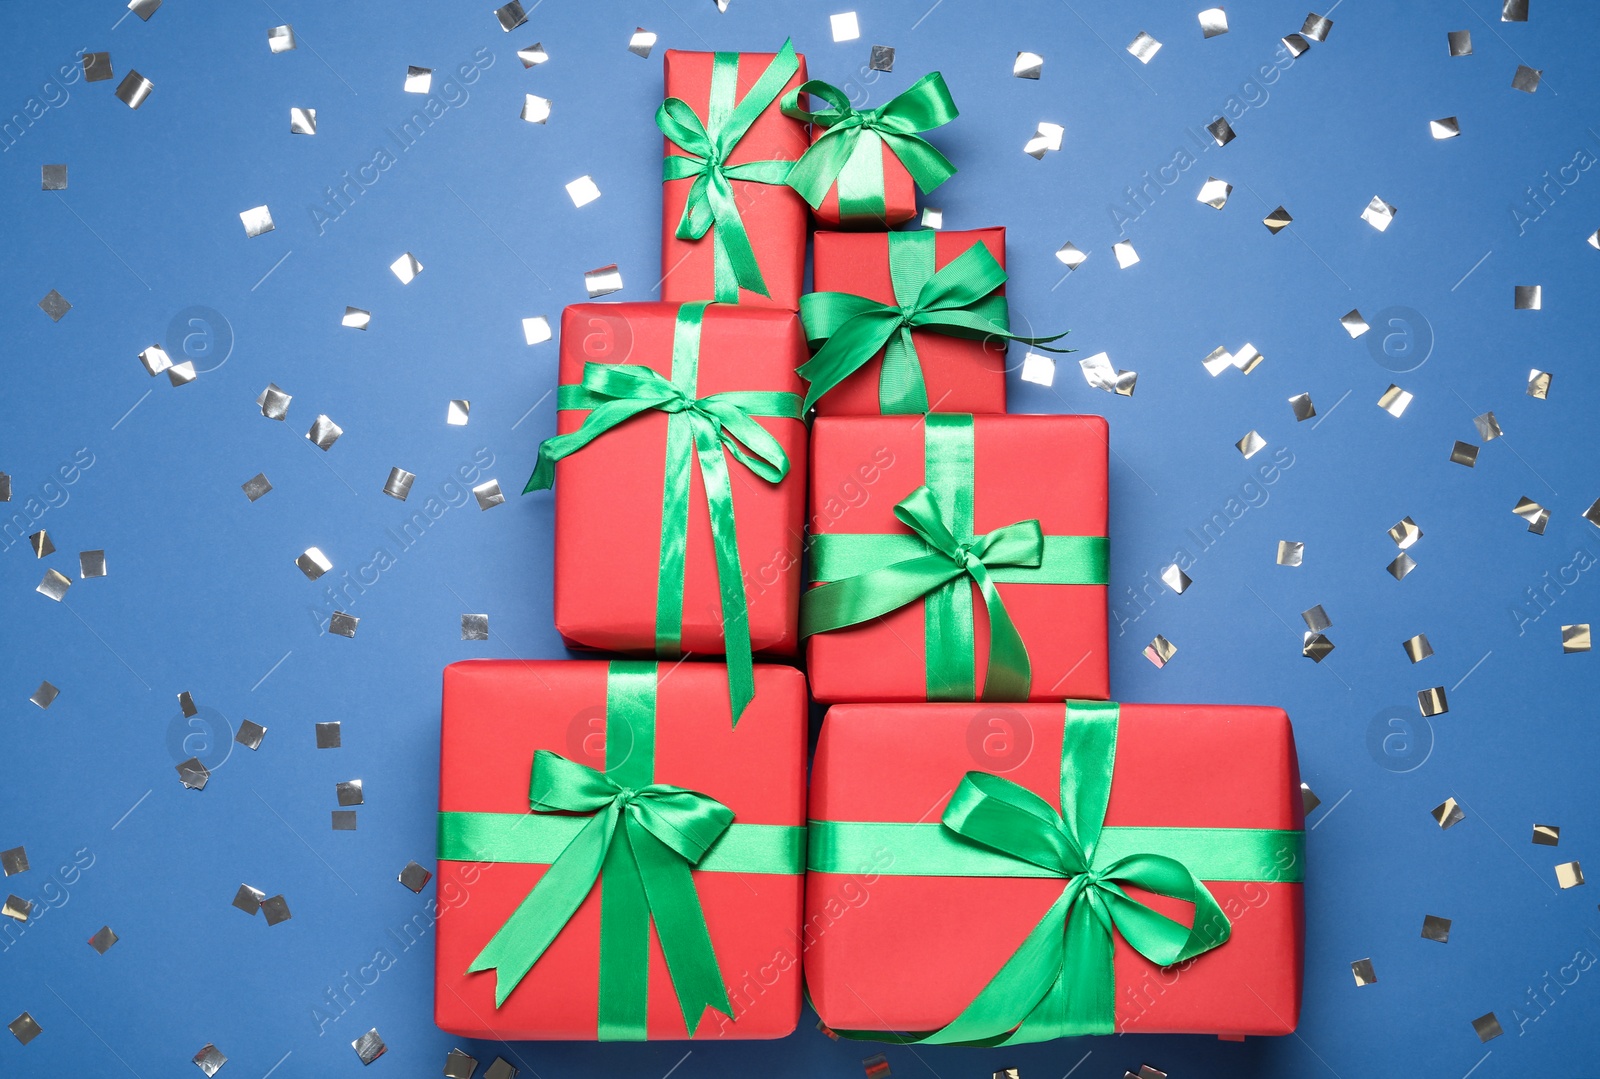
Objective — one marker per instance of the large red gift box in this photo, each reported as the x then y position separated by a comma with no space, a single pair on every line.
496,714
608,496
891,949
962,375
774,215
1046,468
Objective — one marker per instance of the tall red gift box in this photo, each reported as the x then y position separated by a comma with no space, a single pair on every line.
641,724
993,472
907,922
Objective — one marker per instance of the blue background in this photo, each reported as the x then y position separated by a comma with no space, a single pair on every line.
203,596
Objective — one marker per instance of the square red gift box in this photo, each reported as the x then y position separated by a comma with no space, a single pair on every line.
731,229
965,558
659,873
644,562
950,357
965,862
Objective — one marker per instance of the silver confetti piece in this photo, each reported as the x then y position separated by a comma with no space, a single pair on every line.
1436,928
328,735
1316,647
1160,651
91,564
1217,361
1302,406
845,26
1575,638
155,359
1488,427
1364,974
1536,515
419,80
1143,48
603,281
1514,11
41,543
55,305
1251,444
1277,220
1126,255
398,485
249,899
1447,814
1316,619
1546,835
1378,214
1527,297
1247,359
1316,27
1460,42
1417,648
24,1028
186,705
1539,384
415,877
1027,65
1296,44
1569,875
1213,22
641,43
103,939
1432,702
250,734
535,109
1404,533
1221,131
583,191
144,8
343,820
488,494
536,330
193,774
1214,193
1308,799
1592,514
281,38
14,861
474,627
1402,565
369,1046
1291,552
1464,453
457,413
932,218
54,585
324,432
510,16
1526,79
356,319
1174,578
1354,324
96,66
881,58
5,487
1394,401
500,1069
1446,128
133,89
1070,257
349,792
343,624
16,908
406,268
274,403
533,55
181,374
313,563
209,1059
1594,239
52,178
45,695
1046,138
302,121
276,909
1040,369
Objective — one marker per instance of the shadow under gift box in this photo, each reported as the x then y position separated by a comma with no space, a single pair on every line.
962,375
496,713
608,495
908,953
773,214
1049,468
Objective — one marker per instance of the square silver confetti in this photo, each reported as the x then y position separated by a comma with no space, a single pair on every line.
474,627
1308,799
193,774
349,792
1217,361
96,66
533,55
1446,128
1046,138
324,432
281,38
1251,444
1592,514
250,734
55,305
1316,647
1126,255
415,877
1417,648
1447,814
1395,400
1316,619
603,281
45,695
406,268
932,217
302,121
24,1028
103,939
155,359
273,402
52,178
1575,638
343,624
1527,297
41,543
457,413
1546,835
1364,974
1436,928
1378,214
276,909
1277,220
1402,565
881,58
1526,79
14,861
845,26
1296,45
500,1069
536,330
1354,324
328,735
133,89
583,190
209,1059
535,109
1536,515
641,43
144,8
1027,65
1302,406
458,1065
181,374
1070,257
1221,131
1143,48
1464,453
313,563
91,564
1432,702
356,319
1514,11
1539,384
1404,533
1316,27
1160,651
1460,42
16,908
1214,193
488,494
369,1046
1291,552
1569,875
186,705
510,16
1488,427
1038,369
344,820
398,485
1174,578
1213,22
5,487
54,585
419,80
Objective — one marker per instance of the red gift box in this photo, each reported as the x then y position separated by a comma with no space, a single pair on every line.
496,714
608,496
899,200
890,947
774,215
962,375
1047,468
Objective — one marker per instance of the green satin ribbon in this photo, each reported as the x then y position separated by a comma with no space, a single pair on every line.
707,429
959,301
850,149
1061,981
642,841
707,149
942,559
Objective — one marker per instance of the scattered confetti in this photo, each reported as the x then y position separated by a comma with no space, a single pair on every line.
91,564
1354,324
1404,533
1417,648
845,26
1364,974
603,281
133,89
344,820
1536,515
1432,702
1378,214
398,485
52,178
1308,799
1040,369
313,563
1316,27
415,877
144,8
1447,814
274,403
641,43
1394,401
488,494
1046,138
1526,79
186,705
536,330
14,861
181,374
1214,193
419,80
1247,359
281,38
96,66
1221,131
1101,375
1213,22
1528,297
1277,220
1027,65
536,110
1575,638
249,899
1464,453
932,218
16,908
328,735
1250,445
45,695
1143,48
41,543
457,1065
406,268
510,16
1436,928
1316,619
24,1028
324,432
343,624
1569,875
881,58
209,1059
1174,578
1402,565
1546,835
276,909
876,1066
533,55
1460,42
55,305
1070,257
1514,11
1160,651
1302,406
1316,647
500,1069
103,939
457,413
349,792
1217,361
356,319
1291,552
1447,128
193,774
1539,384
1296,44
302,121
250,734
1592,514
54,585
1126,255
369,1046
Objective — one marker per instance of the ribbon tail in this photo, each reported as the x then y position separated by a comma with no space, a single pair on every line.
730,233
730,576
902,391
846,350
870,595
681,928
1010,675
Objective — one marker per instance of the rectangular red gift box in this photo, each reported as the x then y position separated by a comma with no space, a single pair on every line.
1048,468
608,496
496,713
899,197
962,375
774,215
908,953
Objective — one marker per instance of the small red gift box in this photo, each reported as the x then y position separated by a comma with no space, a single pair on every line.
638,732
899,193
988,475
961,374
611,500
766,211
910,916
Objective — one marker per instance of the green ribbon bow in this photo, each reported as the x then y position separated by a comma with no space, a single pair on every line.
960,301
700,428
849,150
708,147
643,843
869,575
1061,982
